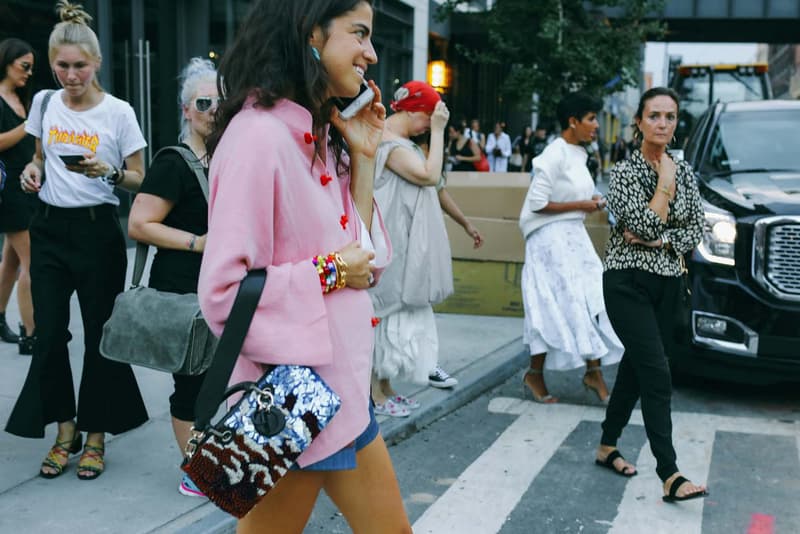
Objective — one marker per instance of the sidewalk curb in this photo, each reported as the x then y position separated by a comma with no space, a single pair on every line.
478,377
474,379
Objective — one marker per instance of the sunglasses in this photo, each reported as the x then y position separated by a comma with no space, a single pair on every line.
204,103
25,66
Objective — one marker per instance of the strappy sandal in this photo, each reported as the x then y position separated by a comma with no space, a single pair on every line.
58,455
608,463
92,461
592,388
543,399
673,491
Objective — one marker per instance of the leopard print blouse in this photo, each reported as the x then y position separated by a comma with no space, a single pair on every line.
631,187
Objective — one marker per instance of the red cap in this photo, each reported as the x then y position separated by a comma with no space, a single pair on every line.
415,96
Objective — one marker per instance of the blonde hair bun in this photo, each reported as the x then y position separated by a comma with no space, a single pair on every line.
74,13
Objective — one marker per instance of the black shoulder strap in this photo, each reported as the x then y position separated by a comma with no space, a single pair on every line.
42,109
193,162
230,345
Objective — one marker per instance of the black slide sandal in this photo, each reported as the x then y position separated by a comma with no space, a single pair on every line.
673,490
609,464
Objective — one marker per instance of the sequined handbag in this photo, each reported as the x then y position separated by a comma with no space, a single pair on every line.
239,459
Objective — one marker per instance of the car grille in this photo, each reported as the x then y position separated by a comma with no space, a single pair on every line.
783,258
776,260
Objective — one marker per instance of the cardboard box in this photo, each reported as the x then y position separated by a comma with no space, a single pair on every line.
502,240
490,195
485,288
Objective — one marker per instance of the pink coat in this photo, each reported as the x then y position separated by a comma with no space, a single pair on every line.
269,207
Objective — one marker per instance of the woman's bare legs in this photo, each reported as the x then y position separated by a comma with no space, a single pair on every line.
534,379
593,379
285,510
182,431
8,273
20,244
378,388
368,497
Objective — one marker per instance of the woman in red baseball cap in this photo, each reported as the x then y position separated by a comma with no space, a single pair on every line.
420,274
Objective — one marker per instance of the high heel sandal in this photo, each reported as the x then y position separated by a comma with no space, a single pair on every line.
543,399
92,461
60,453
592,388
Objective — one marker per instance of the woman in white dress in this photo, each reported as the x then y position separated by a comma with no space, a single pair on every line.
566,325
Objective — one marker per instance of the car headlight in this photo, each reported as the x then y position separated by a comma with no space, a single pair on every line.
719,235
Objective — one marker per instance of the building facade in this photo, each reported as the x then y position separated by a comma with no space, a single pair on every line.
784,70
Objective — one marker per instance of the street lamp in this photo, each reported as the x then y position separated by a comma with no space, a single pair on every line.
439,75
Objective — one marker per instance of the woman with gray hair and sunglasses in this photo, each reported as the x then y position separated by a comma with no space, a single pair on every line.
171,213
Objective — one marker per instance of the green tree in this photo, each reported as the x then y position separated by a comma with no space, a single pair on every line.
557,46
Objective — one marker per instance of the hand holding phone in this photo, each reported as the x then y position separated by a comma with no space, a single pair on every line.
71,160
349,107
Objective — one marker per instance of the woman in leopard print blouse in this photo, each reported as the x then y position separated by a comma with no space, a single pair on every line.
659,218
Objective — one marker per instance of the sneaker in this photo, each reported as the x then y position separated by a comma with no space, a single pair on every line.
409,403
392,409
440,379
188,488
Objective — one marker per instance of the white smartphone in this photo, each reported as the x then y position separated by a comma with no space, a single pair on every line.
348,107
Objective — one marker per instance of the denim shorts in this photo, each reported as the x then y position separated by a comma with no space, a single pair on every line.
346,458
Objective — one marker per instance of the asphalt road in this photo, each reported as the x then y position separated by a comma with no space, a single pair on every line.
501,464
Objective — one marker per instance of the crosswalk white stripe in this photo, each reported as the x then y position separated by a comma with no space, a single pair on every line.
489,489
480,504
641,502
720,423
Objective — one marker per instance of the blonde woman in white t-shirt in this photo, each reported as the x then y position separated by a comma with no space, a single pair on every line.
566,325
77,245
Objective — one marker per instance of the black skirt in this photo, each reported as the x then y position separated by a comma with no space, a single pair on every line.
16,206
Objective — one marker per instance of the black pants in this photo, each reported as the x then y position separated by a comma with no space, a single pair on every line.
76,250
640,306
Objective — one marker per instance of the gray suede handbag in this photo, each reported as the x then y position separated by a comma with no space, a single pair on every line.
158,329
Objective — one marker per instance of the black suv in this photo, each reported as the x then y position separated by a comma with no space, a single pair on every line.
745,273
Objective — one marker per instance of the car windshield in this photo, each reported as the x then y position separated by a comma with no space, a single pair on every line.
694,92
754,140
732,86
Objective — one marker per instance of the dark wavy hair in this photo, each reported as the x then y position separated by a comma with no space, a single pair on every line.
649,95
10,50
271,59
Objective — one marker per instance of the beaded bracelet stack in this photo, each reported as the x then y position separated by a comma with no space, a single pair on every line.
332,271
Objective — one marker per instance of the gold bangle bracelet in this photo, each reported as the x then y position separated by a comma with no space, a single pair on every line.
341,271
665,190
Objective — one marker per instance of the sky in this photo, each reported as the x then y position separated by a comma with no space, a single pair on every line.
656,55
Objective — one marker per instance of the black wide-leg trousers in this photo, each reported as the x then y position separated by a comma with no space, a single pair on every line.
640,306
76,250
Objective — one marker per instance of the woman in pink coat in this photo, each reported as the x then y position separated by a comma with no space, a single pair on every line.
283,191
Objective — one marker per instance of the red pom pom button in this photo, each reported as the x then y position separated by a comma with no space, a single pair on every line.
343,221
